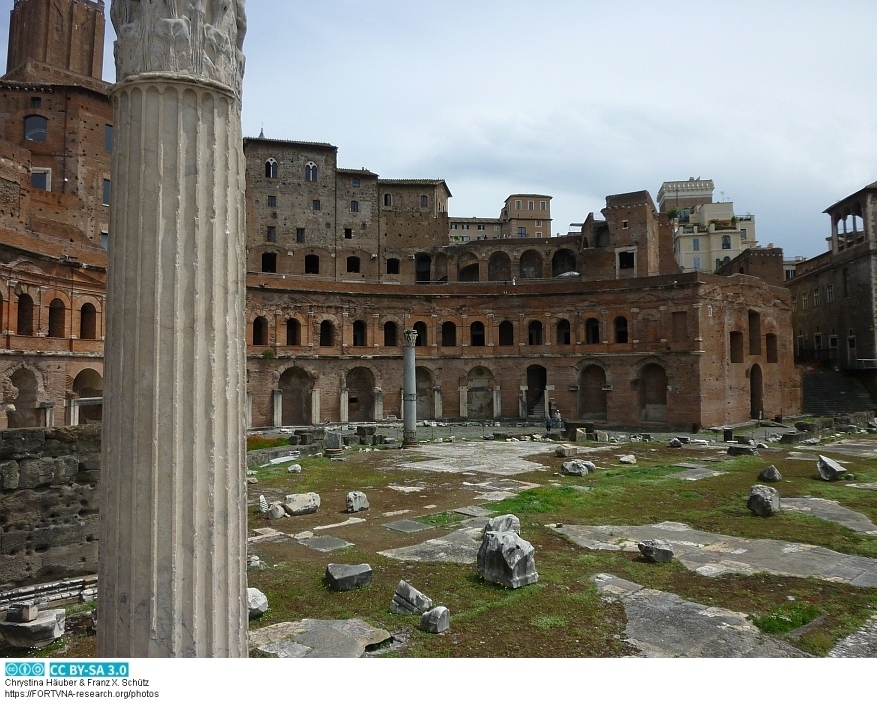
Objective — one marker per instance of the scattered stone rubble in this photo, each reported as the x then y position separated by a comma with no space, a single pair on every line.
656,550
409,600
28,627
356,502
507,559
344,577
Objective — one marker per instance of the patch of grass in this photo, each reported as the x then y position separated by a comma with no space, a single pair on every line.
549,622
785,617
443,519
258,442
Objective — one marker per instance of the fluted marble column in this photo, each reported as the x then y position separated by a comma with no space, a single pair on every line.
172,578
409,391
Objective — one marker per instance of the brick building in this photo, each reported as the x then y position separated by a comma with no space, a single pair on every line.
601,323
833,294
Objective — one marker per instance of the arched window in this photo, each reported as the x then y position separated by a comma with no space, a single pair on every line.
327,334
310,171
388,199
563,332
592,331
293,332
420,327
57,316
36,128
25,315
726,242
260,331
353,265
269,262
359,334
476,334
424,201
506,333
312,264
534,333
271,169
621,329
391,334
449,334
88,322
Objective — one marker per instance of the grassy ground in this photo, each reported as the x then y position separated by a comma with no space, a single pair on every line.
562,615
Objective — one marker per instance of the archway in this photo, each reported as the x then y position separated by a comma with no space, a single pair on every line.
531,265
499,267
296,385
422,268
425,393
593,398
563,261
756,392
89,385
480,397
57,319
361,394
537,380
653,393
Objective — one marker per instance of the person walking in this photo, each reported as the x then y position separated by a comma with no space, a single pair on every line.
548,423
558,421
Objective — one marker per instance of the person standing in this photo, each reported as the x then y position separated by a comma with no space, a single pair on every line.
548,423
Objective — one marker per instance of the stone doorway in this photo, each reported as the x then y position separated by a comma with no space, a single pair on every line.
297,387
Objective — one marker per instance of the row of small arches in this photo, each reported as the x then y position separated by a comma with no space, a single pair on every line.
25,318
448,336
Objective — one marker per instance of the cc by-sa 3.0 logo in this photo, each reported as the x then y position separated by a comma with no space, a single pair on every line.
25,669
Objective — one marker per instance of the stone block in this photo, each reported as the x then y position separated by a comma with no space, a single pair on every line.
504,522
627,460
770,474
829,470
579,468
656,550
46,628
22,612
66,468
305,439
9,475
741,450
344,577
582,435
566,451
409,600
35,473
334,441
21,443
436,621
356,502
505,558
257,603
763,501
299,504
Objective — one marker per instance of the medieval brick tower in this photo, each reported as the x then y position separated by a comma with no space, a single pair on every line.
56,41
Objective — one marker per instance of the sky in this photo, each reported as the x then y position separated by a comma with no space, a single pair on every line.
774,100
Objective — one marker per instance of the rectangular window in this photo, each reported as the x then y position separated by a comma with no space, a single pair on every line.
496,228
36,102
517,205
543,205
829,293
538,223
742,233
815,297
538,234
453,226
41,179
272,201
348,233
695,244
105,240
696,264
108,138
805,301
530,205
272,234
464,238
464,226
624,224
481,227
794,304
355,183
522,232
299,234
106,192
354,206
316,204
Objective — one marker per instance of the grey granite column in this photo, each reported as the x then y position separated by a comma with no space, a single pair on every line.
172,578
409,391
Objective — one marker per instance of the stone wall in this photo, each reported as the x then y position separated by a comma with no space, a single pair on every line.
49,513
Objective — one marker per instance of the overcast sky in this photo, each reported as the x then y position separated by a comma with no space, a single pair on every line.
773,100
